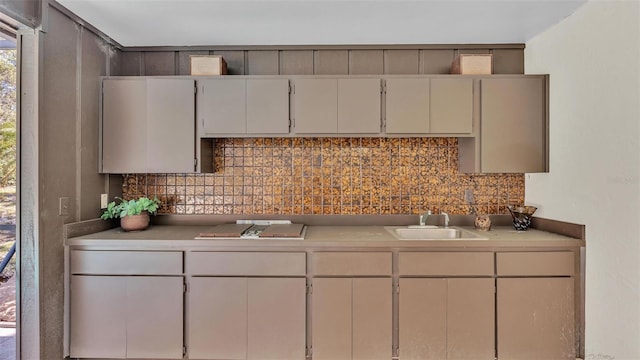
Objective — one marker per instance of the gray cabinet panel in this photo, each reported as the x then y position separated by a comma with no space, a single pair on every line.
222,106
513,125
159,63
536,318
401,62
359,106
407,106
508,61
316,106
436,61
446,318
217,324
296,62
170,125
423,319
140,117
277,318
154,317
331,62
331,319
124,128
451,106
97,317
366,62
267,106
372,325
235,61
262,62
470,319
126,317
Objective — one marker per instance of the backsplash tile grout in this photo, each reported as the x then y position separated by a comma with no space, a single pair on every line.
330,176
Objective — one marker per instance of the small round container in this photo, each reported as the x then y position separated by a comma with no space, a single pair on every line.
521,216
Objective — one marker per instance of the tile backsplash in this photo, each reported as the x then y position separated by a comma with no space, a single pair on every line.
331,176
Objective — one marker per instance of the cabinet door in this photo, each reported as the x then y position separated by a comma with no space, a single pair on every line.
276,318
97,317
267,106
446,318
222,106
359,106
513,125
407,106
316,106
217,318
124,126
140,117
154,317
171,128
351,318
451,106
372,325
536,318
126,317
331,318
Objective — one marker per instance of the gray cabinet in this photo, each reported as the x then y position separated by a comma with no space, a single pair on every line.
237,105
446,318
442,316
536,305
407,105
351,305
351,318
247,318
513,128
126,304
148,125
246,305
441,105
337,106
451,106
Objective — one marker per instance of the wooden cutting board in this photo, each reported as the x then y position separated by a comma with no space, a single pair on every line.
283,230
226,230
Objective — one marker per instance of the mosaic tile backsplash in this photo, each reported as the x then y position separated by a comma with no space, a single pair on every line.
295,176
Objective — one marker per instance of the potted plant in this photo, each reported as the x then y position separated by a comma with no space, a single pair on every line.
133,214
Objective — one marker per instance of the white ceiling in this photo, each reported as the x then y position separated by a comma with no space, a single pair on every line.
313,22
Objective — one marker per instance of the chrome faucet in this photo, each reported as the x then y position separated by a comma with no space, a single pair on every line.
446,219
423,217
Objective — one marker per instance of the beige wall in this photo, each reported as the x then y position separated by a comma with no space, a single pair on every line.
593,59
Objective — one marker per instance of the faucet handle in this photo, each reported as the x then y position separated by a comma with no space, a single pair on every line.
446,219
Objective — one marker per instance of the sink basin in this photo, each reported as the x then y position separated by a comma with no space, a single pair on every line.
431,233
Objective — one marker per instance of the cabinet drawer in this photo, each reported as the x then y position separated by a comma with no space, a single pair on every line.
352,263
556,263
247,263
446,263
126,262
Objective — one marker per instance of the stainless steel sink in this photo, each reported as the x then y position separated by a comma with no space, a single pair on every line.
432,233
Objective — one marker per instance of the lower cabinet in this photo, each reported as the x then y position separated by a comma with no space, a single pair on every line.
446,318
536,305
352,318
126,317
246,318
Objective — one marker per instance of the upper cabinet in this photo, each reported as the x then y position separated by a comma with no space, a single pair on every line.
429,106
500,120
513,125
148,125
337,106
513,131
239,106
